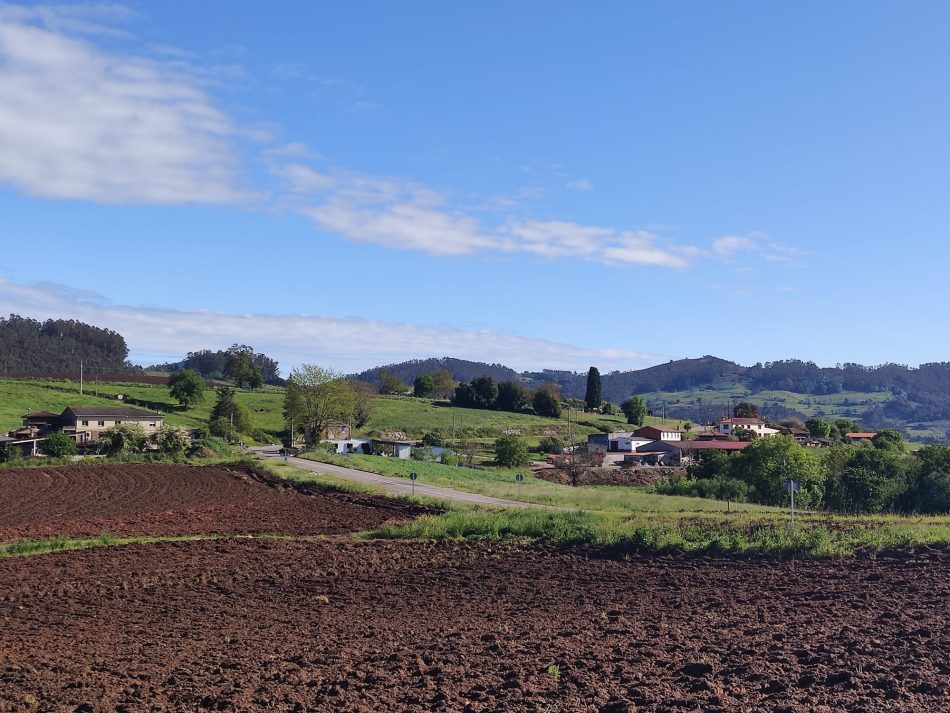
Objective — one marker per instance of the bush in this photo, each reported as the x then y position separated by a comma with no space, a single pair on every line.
214,446
123,438
714,488
59,445
450,458
433,438
171,439
551,444
511,451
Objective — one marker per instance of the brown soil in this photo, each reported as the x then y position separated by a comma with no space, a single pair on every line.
345,626
613,475
141,499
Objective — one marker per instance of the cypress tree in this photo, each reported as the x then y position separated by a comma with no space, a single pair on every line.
593,398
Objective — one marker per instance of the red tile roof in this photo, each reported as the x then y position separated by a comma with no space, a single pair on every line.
862,434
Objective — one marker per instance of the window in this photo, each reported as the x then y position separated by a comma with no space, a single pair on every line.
152,425
102,423
117,423
85,423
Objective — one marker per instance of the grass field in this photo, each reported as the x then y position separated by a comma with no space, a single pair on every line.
18,397
412,416
501,483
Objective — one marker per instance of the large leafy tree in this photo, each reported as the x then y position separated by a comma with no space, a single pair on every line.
59,445
545,403
122,438
745,410
186,386
424,386
635,409
767,462
593,398
317,397
241,368
512,396
364,395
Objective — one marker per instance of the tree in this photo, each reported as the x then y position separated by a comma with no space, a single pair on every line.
59,445
511,451
170,439
433,439
364,395
546,404
745,410
889,440
315,398
635,409
767,462
608,409
512,396
480,392
122,438
592,398
423,386
390,383
187,387
868,480
818,428
241,368
444,383
687,430
744,434
228,418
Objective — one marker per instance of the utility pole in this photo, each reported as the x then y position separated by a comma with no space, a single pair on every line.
80,377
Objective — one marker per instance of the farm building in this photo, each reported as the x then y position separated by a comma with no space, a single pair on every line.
615,442
85,423
676,453
727,426
659,433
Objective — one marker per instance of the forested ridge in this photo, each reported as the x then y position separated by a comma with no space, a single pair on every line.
58,345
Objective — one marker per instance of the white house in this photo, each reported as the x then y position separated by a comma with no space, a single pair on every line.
728,426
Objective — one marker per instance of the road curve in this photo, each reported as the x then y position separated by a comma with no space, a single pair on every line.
401,486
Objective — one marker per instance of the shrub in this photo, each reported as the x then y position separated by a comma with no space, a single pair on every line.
59,445
511,451
551,444
171,439
433,438
123,438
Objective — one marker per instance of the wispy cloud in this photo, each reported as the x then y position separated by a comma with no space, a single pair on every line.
348,344
409,215
78,122
731,244
581,184
758,244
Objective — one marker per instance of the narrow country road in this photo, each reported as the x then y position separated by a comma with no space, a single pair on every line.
397,485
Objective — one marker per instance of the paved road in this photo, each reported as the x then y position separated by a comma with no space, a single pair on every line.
398,485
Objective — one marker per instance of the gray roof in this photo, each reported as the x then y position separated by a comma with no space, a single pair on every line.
116,411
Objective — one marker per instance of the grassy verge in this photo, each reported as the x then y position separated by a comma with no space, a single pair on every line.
744,535
63,544
501,483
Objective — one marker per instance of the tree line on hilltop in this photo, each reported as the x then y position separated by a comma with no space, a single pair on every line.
57,346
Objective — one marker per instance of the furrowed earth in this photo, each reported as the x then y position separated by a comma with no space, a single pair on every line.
126,500
343,625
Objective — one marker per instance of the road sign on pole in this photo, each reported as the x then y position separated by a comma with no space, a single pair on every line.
791,486
520,479
412,478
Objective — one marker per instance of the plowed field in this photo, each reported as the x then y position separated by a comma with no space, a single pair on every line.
142,499
346,626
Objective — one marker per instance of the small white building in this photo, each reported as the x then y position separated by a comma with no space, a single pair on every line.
727,426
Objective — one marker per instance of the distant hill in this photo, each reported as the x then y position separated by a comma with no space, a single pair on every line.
28,346
916,400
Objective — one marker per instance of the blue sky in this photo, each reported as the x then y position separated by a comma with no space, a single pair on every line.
539,184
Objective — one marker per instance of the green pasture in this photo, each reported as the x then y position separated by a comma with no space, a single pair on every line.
501,483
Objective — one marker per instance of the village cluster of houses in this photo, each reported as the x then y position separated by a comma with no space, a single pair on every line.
663,445
83,423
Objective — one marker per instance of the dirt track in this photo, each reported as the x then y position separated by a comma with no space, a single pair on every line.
344,626
142,499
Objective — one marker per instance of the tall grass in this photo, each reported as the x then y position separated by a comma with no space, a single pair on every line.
736,535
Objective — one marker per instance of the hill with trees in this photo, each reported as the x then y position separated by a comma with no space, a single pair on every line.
238,363
56,346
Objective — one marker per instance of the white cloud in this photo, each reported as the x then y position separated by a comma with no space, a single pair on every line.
77,122
346,344
412,216
581,184
730,244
